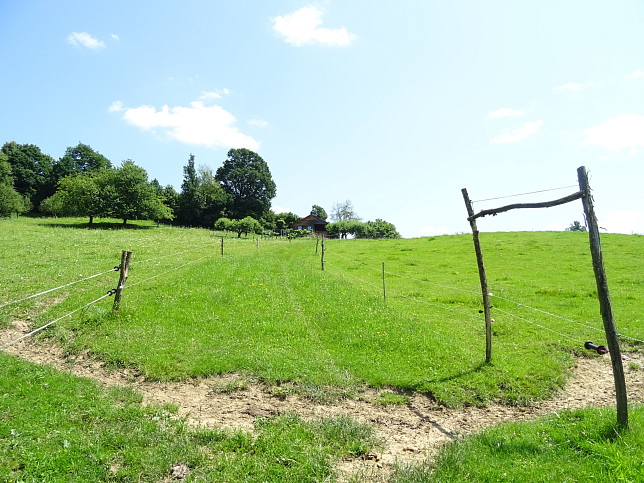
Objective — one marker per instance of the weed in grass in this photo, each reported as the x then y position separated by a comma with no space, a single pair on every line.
230,387
391,399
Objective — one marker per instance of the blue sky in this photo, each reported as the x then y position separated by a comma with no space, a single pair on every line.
395,106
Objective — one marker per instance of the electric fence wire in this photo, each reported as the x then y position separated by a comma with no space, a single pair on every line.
523,194
58,288
395,294
539,325
409,278
7,344
165,273
519,304
169,255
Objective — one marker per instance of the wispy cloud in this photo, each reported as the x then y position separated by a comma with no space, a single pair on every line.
83,39
626,131
207,95
196,124
635,75
505,112
528,129
258,123
303,27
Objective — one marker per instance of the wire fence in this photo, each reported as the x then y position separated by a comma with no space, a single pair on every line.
566,331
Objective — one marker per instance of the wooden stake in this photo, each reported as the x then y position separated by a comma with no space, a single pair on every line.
482,277
384,287
322,258
604,299
125,265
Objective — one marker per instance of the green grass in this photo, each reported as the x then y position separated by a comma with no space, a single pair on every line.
573,446
273,314
55,427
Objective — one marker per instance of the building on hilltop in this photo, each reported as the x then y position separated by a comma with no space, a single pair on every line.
312,223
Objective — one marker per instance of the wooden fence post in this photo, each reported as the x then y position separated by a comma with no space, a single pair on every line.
384,287
222,246
482,277
125,265
322,258
604,299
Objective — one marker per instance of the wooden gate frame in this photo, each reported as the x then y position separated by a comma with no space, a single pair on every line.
605,308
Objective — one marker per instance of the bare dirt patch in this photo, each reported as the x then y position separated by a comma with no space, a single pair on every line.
411,433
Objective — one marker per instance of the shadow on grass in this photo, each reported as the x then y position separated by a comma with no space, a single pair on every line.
100,226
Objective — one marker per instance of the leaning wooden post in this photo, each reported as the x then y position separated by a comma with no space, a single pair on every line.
322,257
125,265
482,276
604,299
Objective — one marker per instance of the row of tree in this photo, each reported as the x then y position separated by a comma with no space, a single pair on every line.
237,197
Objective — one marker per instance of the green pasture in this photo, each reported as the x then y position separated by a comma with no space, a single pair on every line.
267,310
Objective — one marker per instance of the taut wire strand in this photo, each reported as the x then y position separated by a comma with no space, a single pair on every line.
57,288
52,322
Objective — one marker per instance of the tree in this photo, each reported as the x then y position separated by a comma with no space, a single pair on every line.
245,176
10,200
79,159
318,211
128,195
77,195
224,224
246,225
576,226
190,203
31,170
376,229
215,199
344,212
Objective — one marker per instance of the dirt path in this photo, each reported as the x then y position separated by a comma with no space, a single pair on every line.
412,433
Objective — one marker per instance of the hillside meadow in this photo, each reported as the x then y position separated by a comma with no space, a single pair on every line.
401,314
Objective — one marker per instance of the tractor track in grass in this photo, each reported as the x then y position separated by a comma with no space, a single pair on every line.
411,433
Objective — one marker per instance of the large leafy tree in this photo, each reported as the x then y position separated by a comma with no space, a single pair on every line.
80,159
31,170
245,176
77,195
127,194
318,211
190,204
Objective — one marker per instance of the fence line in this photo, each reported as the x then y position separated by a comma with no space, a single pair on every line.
539,325
566,319
164,273
53,321
115,269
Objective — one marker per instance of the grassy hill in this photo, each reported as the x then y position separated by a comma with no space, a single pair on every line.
267,309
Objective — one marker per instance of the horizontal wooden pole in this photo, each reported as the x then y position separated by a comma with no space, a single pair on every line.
545,204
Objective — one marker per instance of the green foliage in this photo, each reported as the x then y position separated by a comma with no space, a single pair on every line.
370,229
318,211
245,176
77,195
78,160
245,225
31,170
10,200
125,193
576,226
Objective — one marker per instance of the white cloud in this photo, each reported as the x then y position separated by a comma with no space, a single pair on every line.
302,27
115,37
626,131
505,112
280,209
196,124
574,87
206,95
635,75
626,221
83,39
258,123
528,129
